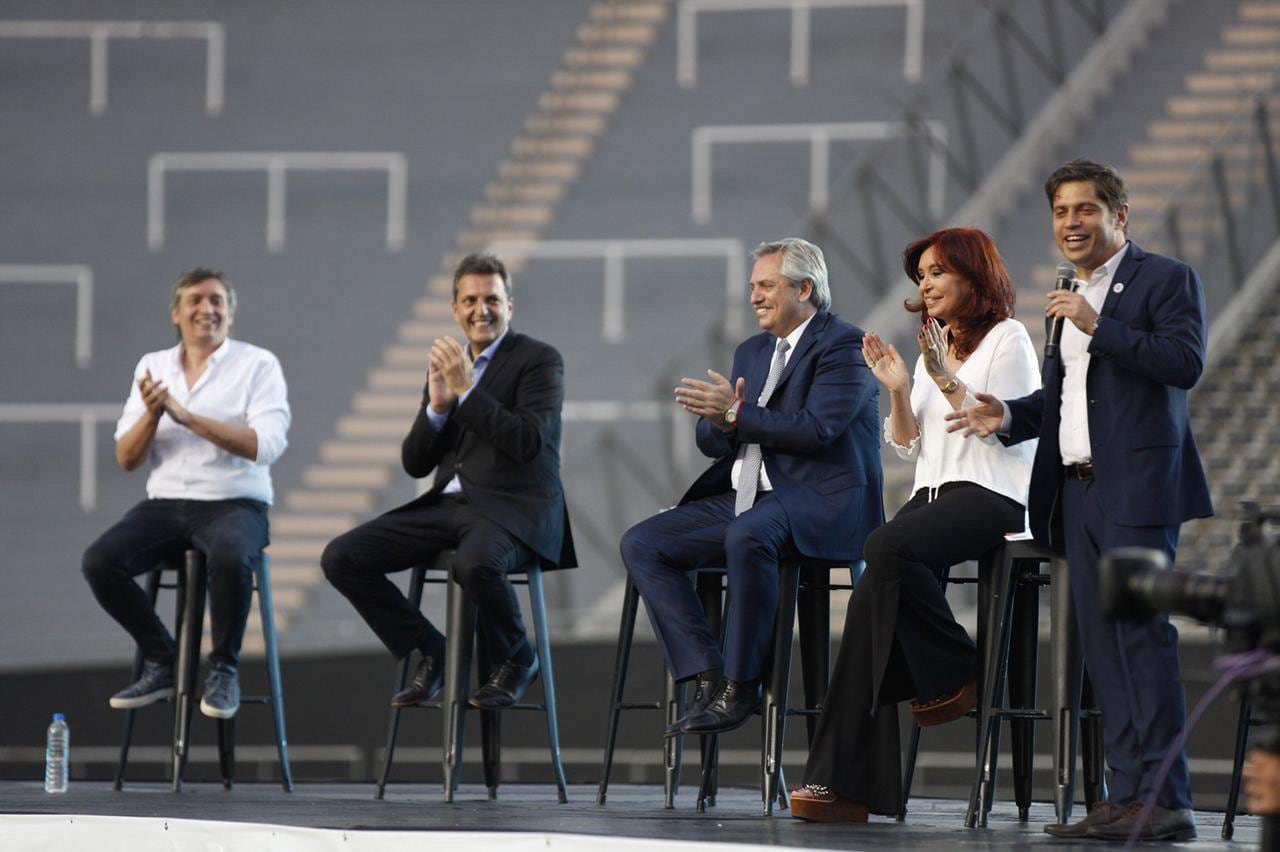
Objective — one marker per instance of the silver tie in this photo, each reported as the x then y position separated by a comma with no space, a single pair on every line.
749,475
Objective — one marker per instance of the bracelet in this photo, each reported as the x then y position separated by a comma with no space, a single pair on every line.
950,387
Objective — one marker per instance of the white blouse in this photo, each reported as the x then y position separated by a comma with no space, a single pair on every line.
1003,365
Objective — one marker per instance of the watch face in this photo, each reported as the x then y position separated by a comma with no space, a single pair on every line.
731,416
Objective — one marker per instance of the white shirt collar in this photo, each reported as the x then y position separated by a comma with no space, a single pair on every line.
1107,271
796,333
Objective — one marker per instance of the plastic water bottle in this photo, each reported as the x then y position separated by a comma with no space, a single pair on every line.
56,752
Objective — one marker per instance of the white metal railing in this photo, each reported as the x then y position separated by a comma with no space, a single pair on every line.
819,137
615,253
99,34
276,164
687,32
88,415
78,275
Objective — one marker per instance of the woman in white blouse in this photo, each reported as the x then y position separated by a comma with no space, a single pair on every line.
901,640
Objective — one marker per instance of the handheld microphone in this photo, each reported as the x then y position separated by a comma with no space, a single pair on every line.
1066,281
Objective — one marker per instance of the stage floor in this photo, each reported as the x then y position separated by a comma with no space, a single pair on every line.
631,812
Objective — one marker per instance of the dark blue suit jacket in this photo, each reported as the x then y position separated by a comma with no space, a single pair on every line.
819,435
1147,352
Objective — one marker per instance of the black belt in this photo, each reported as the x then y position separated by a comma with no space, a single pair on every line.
1083,470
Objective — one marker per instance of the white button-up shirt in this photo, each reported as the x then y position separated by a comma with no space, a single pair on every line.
793,338
242,385
1073,430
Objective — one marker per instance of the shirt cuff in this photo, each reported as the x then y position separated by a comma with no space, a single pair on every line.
436,420
1007,423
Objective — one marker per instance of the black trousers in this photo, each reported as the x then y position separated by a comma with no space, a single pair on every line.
357,564
230,533
901,639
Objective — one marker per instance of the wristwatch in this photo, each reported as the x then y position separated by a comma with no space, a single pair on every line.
731,414
950,387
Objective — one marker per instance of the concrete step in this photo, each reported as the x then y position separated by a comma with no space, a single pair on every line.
403,404
350,452
608,57
348,477
651,13
1251,35
297,548
608,79
539,170
504,191
1262,59
579,101
1206,82
433,308
582,125
425,332
1260,12
480,239
1162,153
1208,106
621,33
289,524
391,378
553,147
370,427
512,216
312,500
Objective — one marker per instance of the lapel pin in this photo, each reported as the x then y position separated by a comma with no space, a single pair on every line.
1118,287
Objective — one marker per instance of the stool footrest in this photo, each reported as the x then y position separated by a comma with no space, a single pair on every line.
647,705
1021,713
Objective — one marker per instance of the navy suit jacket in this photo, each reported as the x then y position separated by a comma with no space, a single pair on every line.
819,436
503,443
1146,354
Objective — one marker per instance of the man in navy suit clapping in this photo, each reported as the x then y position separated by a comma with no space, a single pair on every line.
795,436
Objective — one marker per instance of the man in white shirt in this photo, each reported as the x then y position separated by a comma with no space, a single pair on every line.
1117,466
211,415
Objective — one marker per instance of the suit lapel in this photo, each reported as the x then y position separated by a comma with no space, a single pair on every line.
1124,276
811,334
498,361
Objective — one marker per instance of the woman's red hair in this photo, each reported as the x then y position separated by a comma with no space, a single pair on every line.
972,255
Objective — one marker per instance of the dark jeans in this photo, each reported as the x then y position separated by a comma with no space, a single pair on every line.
901,639
230,533
357,564
704,533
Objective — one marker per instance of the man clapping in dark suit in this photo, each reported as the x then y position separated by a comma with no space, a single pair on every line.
795,436
489,425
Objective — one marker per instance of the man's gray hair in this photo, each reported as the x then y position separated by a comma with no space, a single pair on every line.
801,260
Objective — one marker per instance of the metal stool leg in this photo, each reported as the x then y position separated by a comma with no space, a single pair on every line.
1242,744
271,647
621,663
416,581
672,747
153,592
995,600
227,751
779,682
457,673
909,773
1068,672
712,593
188,660
1023,651
538,604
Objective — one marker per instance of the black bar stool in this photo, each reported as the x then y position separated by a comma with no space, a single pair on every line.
804,587
190,587
460,629
709,583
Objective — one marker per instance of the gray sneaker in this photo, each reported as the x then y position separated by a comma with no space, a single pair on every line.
221,694
155,684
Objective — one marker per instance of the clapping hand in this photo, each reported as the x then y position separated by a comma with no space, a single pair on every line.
982,419
450,361
710,399
886,364
933,346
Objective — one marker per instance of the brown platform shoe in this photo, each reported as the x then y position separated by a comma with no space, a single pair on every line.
816,803
948,708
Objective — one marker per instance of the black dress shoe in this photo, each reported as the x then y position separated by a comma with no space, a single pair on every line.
1157,824
733,705
702,698
1101,813
428,677
505,686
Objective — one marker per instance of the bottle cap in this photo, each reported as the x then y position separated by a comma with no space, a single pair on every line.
58,717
